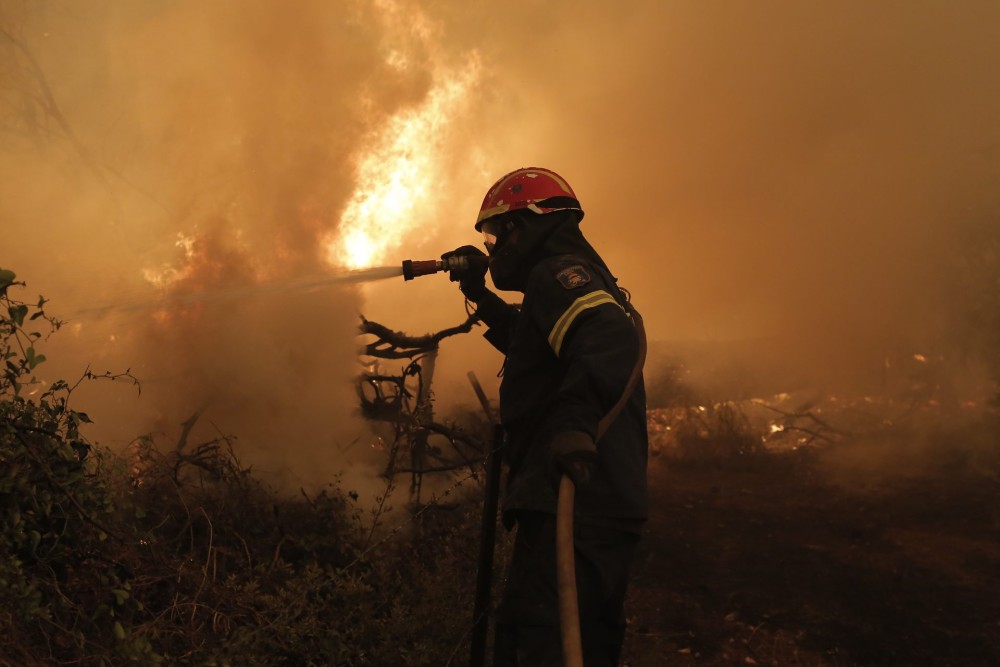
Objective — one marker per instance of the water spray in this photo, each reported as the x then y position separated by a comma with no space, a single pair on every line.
246,291
409,270
460,263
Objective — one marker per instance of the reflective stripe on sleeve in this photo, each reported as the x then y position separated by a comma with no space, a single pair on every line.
586,301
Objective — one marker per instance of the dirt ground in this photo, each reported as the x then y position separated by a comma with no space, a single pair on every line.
787,559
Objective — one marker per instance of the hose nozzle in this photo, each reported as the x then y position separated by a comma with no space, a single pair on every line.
414,268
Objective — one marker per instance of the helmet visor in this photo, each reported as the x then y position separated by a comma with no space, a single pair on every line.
490,231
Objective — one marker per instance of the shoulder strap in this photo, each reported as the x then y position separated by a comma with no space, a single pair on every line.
633,379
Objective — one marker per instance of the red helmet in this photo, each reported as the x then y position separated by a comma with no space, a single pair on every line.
530,188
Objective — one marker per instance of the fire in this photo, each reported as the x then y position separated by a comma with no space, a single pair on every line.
167,275
397,172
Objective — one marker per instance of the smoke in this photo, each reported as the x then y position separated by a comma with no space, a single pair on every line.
196,149
799,177
792,183
799,174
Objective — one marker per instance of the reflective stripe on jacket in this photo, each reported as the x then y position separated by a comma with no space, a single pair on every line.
570,350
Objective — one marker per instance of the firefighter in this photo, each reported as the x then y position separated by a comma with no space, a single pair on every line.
570,349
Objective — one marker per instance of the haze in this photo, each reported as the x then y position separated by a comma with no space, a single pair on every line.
802,178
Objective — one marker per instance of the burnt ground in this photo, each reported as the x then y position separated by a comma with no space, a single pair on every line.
779,559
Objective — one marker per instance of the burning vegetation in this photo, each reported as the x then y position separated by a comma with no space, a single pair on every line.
787,531
815,185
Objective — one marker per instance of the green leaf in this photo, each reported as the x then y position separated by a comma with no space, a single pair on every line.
6,279
17,313
119,630
33,358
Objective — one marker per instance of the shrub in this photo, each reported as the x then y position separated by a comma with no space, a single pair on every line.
145,557
63,594
716,432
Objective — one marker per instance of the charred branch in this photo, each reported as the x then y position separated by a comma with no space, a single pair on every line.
393,399
391,344
819,430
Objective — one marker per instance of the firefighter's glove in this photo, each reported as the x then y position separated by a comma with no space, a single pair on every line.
471,279
574,454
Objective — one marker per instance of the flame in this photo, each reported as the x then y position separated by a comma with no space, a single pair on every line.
168,274
398,171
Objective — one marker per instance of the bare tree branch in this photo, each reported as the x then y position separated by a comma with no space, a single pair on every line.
46,100
396,345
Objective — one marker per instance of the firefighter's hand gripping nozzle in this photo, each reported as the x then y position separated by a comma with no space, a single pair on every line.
466,265
455,264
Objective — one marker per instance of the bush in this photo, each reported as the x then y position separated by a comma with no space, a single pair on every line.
144,557
59,587
717,432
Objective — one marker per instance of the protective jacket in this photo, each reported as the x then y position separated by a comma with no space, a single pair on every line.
570,349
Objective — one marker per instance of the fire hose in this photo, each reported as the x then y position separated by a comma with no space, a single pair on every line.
484,573
569,612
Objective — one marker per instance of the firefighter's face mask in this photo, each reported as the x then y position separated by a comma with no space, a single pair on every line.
516,242
495,232
512,242
500,236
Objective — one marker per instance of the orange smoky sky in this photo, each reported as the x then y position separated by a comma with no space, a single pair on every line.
796,176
